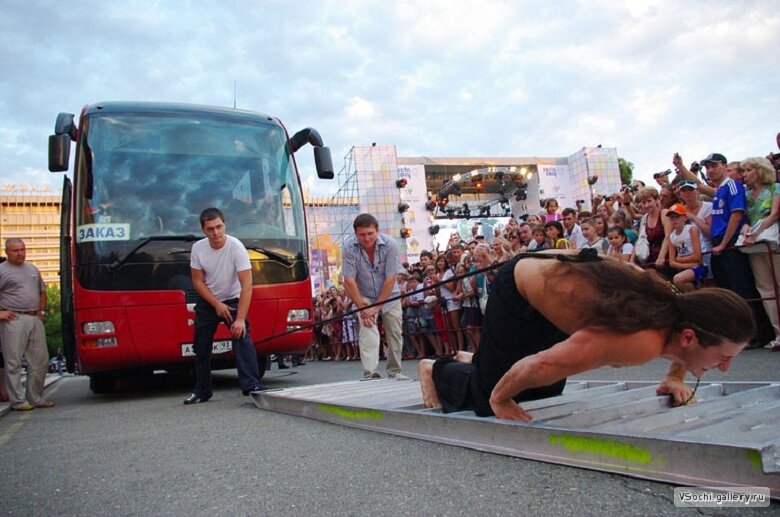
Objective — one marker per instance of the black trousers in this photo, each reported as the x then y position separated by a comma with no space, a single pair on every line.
206,323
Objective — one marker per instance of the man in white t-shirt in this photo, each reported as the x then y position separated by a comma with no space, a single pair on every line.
222,276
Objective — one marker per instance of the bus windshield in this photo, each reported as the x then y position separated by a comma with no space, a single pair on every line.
143,179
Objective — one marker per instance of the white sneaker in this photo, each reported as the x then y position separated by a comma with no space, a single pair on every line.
400,377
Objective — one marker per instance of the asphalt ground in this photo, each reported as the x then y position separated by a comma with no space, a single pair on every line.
139,451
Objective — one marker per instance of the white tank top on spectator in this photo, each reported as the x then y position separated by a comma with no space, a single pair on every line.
683,244
221,266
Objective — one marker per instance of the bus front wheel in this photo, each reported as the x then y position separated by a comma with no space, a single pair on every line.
101,383
262,362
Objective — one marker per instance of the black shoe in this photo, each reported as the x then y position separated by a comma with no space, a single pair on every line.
283,366
194,399
261,387
299,364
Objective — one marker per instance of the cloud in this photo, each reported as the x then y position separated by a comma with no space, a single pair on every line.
490,78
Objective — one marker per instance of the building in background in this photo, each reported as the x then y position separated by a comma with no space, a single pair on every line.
32,213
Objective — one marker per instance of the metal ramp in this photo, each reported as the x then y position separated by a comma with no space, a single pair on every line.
729,438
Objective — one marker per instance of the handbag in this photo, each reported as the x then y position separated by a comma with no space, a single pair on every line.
642,246
770,235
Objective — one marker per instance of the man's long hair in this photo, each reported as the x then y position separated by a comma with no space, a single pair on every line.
627,299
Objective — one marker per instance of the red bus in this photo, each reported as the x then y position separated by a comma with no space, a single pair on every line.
142,174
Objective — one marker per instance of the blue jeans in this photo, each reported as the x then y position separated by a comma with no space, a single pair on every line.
206,322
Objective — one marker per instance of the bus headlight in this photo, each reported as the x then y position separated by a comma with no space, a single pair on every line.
98,327
298,315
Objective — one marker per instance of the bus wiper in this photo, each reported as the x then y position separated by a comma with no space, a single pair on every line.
119,262
286,260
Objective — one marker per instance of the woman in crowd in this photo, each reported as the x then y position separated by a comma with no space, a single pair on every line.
501,249
763,210
653,224
601,225
440,263
450,306
516,245
471,318
482,259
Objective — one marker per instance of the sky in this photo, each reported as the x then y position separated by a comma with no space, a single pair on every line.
435,78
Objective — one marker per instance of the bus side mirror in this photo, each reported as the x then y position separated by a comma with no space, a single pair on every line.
64,125
59,152
323,162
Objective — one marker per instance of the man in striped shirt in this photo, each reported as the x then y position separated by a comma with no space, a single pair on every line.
370,262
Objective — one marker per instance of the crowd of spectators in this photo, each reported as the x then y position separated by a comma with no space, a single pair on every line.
671,227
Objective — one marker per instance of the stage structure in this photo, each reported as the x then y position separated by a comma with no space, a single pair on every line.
420,201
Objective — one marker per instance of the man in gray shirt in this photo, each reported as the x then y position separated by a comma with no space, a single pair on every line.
22,311
370,262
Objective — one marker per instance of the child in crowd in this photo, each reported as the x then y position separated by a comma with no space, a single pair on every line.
555,240
592,238
618,244
533,219
684,246
539,238
551,207
619,219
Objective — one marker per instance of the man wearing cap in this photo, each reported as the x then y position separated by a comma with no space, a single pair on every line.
370,263
23,302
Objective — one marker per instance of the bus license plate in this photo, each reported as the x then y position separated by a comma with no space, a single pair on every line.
219,347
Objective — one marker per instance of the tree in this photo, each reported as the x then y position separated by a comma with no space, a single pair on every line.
53,323
626,171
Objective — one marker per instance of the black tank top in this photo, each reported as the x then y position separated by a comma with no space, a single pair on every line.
513,330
